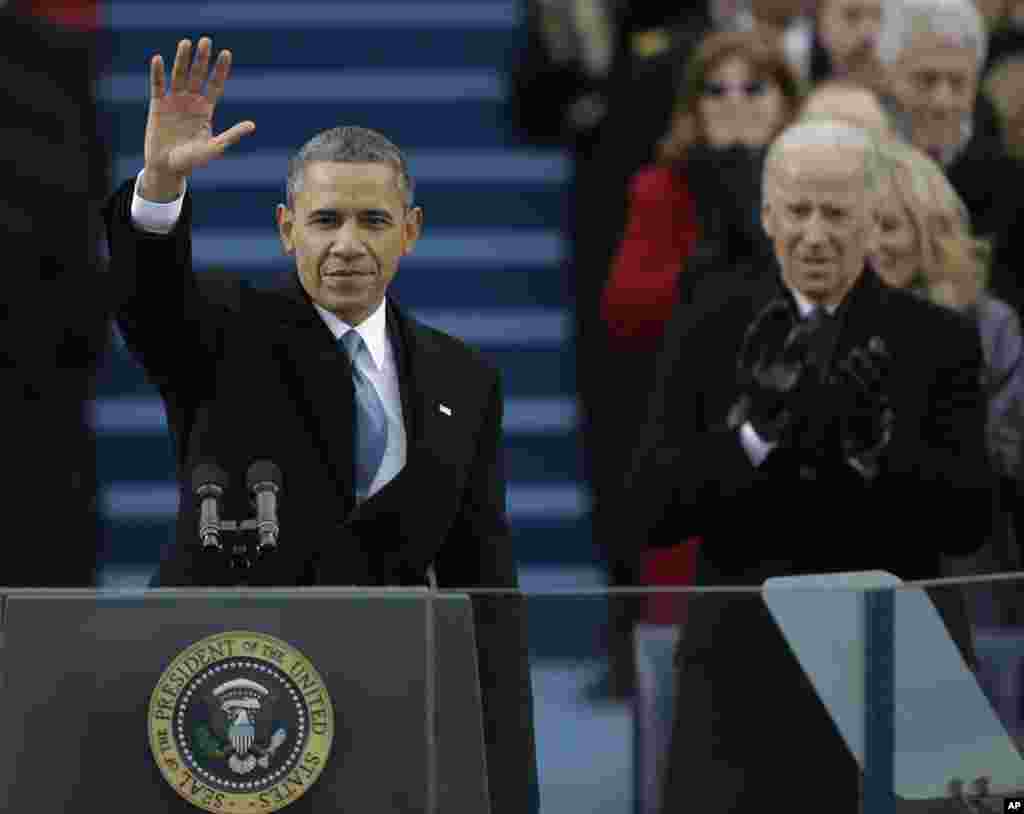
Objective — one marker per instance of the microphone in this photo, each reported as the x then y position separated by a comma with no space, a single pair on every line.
209,482
264,482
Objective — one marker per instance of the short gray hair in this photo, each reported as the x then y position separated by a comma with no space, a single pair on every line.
958,20
354,145
827,132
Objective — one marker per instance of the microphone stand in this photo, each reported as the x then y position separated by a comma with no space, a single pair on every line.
240,540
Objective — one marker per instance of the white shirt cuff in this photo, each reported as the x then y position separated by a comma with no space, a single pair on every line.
756,449
151,216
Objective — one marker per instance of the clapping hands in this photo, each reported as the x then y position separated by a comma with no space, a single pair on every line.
773,361
866,418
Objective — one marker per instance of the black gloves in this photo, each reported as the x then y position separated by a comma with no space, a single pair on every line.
866,416
845,417
773,369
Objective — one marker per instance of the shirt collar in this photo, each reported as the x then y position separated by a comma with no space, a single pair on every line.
373,330
805,306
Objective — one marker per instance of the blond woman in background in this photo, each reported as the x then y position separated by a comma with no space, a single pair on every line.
923,241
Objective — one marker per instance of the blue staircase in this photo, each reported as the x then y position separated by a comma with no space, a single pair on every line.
430,75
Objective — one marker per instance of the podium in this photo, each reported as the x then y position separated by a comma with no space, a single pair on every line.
161,701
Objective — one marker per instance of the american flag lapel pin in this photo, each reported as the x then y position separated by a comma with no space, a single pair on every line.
444,408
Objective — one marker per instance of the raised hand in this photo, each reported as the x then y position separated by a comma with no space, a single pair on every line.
179,129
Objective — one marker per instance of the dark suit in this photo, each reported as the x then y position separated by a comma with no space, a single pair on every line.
740,690
249,374
53,316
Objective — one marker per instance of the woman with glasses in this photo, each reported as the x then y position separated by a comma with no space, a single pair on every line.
703,193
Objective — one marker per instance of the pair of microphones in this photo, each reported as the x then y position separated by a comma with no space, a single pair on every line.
263,482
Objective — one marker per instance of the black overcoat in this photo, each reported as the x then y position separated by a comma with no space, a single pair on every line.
250,374
748,721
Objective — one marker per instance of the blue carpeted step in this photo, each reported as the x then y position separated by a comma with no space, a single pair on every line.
139,540
525,372
475,124
150,457
447,207
318,48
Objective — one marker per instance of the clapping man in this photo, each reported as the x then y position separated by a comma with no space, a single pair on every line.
818,422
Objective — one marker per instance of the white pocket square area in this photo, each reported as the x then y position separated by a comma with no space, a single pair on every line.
444,408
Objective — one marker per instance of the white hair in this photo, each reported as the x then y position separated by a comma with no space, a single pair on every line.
825,132
956,20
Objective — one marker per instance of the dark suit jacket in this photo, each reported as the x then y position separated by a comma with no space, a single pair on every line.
740,688
53,317
249,374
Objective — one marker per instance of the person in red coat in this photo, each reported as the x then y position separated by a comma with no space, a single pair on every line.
738,92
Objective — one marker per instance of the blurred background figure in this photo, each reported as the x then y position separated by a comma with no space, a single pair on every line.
609,115
697,207
932,53
1004,86
693,226
785,23
924,243
848,102
54,322
845,37
1005,21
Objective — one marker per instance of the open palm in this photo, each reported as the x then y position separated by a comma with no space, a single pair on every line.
179,129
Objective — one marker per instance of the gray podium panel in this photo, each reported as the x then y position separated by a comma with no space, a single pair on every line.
80,669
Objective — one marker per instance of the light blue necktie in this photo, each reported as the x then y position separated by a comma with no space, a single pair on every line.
371,422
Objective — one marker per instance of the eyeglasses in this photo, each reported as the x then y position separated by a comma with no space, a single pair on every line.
716,90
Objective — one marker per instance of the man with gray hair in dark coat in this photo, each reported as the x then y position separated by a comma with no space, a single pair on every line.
816,422
932,53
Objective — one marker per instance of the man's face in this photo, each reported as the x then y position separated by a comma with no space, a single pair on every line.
348,230
817,214
849,30
935,83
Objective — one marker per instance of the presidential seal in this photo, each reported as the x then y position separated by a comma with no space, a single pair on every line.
241,722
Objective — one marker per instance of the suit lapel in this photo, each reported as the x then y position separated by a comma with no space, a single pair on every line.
403,345
422,383
860,315
319,377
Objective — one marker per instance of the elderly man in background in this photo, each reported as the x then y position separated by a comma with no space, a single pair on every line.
819,422
932,53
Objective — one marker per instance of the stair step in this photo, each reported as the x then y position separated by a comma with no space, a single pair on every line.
476,169
499,15
297,44
449,208
137,541
150,457
477,124
526,372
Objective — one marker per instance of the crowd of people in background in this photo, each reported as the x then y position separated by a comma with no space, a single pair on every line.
668,131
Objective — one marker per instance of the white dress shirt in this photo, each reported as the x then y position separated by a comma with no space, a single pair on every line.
756,448
376,361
